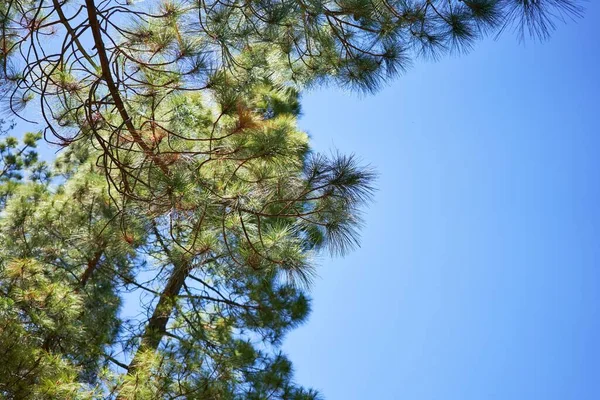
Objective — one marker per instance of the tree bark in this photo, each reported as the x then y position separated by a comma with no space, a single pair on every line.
91,267
112,87
157,324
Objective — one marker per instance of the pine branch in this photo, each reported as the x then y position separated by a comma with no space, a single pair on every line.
112,87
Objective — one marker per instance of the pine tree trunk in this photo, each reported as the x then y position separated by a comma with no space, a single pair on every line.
91,267
157,324
113,90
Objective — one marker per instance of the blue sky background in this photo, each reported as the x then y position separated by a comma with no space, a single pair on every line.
479,272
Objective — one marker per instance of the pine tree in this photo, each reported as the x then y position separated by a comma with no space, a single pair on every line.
15,158
223,253
184,180
35,302
90,65
235,244
55,322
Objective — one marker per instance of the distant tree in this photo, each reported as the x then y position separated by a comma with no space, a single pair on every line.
16,157
54,322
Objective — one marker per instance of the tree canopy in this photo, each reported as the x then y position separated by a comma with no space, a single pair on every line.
100,70
223,256
184,183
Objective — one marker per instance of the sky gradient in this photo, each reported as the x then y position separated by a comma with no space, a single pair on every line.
478,276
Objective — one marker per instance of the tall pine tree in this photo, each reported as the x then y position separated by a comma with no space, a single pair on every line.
223,255
185,182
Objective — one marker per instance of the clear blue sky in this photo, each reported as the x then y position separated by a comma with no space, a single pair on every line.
479,272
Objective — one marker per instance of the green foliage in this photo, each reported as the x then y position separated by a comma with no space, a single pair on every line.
36,306
222,249
185,182
16,158
148,54
230,240
159,47
73,230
